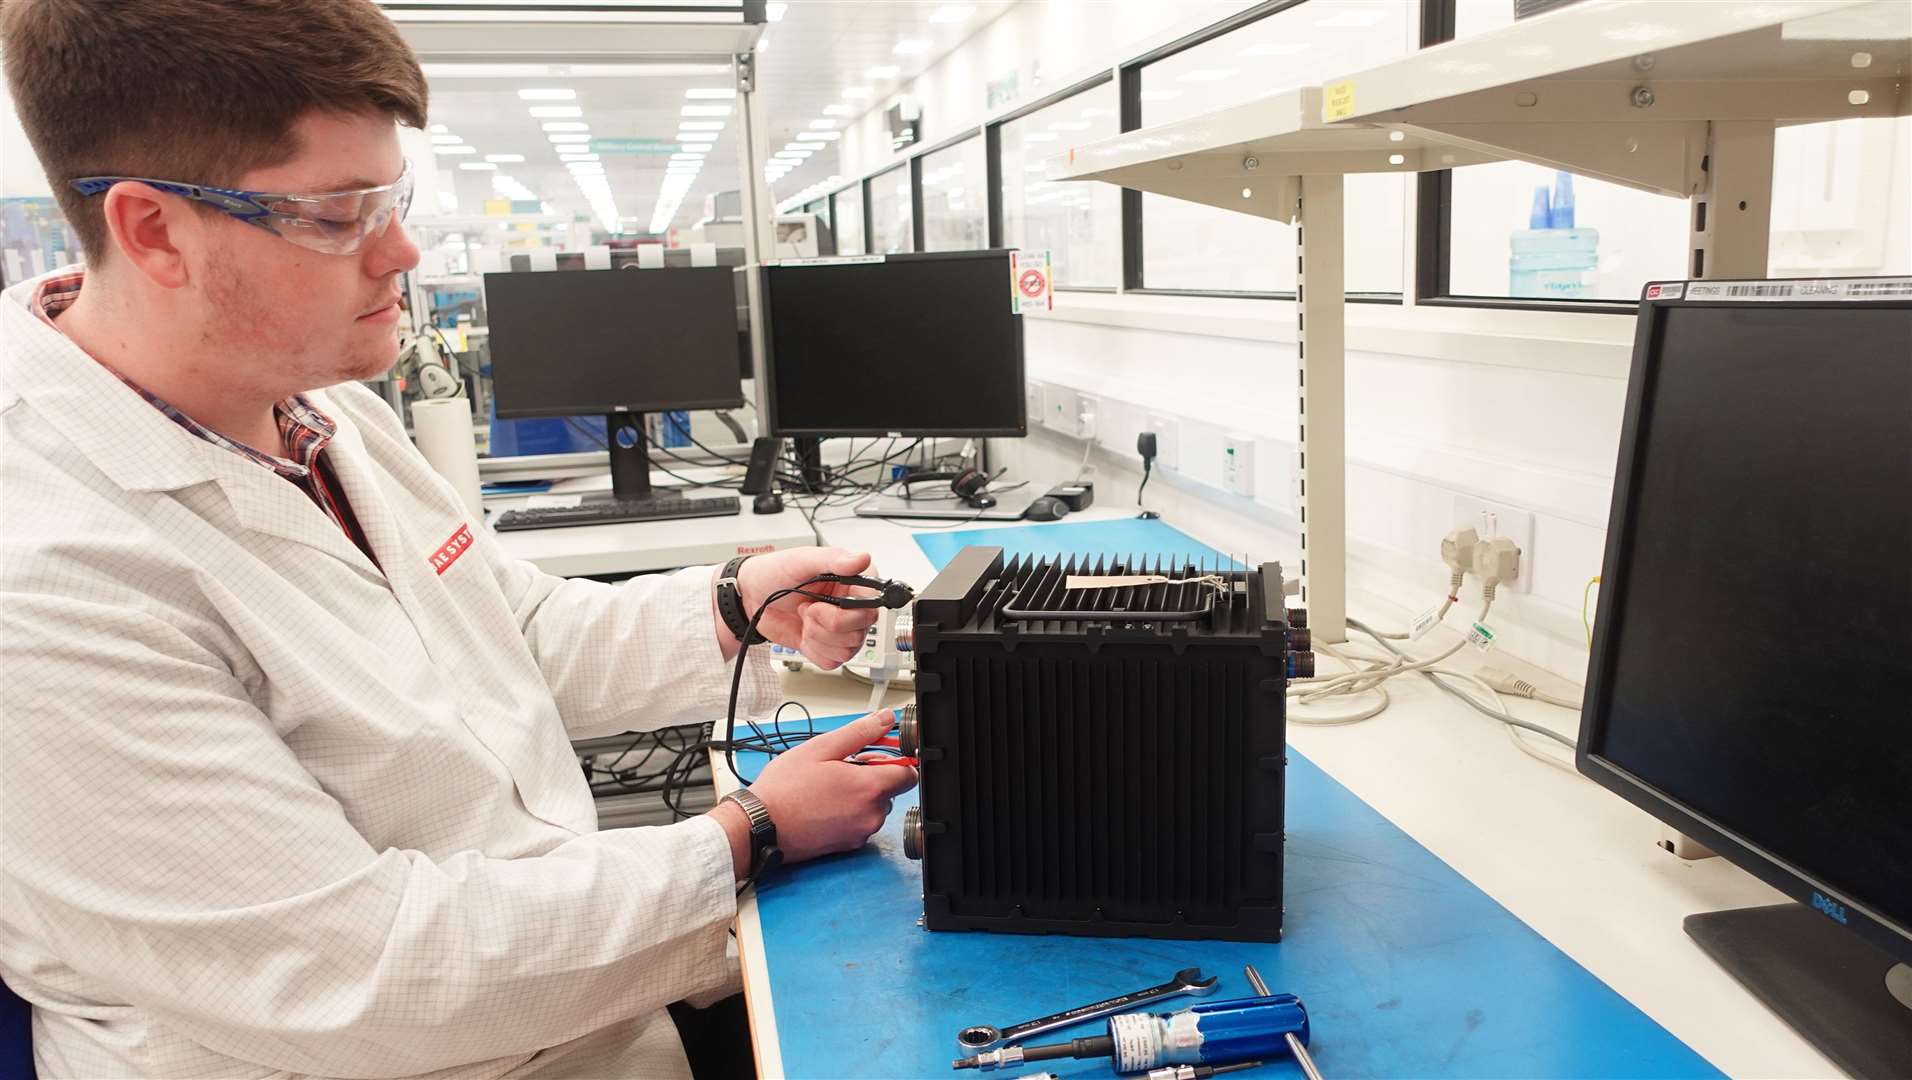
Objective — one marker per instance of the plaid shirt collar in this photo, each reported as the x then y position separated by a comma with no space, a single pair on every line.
304,429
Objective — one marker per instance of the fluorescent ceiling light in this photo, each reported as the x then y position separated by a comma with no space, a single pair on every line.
446,140
1069,125
547,94
454,149
1208,75
882,71
811,146
763,43
774,11
439,129
823,125
1093,113
477,166
1160,95
563,156
711,93
504,157
857,93
836,110
825,135
566,125
706,110
1284,48
555,112
685,155
562,137
697,147
700,125
911,47
952,13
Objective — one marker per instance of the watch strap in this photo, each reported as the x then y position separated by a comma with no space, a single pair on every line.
730,603
764,853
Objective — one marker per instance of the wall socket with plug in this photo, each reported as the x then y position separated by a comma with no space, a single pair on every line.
1491,519
1168,441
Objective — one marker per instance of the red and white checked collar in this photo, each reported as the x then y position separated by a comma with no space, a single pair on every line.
304,428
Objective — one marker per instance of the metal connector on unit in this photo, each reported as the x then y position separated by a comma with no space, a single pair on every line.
909,732
913,834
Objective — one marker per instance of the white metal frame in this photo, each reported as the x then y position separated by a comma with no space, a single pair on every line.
1675,98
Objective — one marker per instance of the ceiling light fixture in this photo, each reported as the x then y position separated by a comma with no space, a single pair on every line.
823,125
912,47
566,125
858,93
882,71
508,158
454,149
706,110
556,112
562,137
446,140
700,125
836,110
477,166
547,94
952,13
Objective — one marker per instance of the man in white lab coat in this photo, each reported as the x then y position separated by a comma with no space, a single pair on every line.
286,785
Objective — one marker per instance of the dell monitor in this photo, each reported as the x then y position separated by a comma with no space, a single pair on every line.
912,345
1751,678
617,342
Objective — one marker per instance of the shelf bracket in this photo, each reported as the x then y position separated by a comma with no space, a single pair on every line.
1321,470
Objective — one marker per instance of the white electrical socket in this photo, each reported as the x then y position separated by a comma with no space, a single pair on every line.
1059,409
1238,464
1168,441
1088,413
1491,519
1032,402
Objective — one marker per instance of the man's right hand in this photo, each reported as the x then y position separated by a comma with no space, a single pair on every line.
822,803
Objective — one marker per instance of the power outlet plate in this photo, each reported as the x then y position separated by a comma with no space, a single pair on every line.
1168,441
1499,519
1059,409
1238,464
1032,402
1088,416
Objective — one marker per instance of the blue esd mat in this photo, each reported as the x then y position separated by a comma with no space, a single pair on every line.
1407,969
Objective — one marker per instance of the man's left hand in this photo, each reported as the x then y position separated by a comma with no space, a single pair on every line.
826,634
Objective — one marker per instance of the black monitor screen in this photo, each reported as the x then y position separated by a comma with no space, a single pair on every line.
1757,669
591,341
911,344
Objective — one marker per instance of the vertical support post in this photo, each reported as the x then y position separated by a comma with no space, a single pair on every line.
753,147
1732,214
1321,302
1728,236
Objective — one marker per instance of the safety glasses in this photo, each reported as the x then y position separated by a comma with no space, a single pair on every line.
331,222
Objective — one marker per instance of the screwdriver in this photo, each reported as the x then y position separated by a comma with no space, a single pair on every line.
1213,1033
1171,1072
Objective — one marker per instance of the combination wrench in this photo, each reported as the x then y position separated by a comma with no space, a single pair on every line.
1186,981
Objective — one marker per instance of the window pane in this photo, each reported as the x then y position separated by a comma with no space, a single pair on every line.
1840,198
1080,223
955,211
891,219
848,220
1189,246
1511,238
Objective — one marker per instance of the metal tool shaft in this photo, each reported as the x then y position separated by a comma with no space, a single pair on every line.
1294,1044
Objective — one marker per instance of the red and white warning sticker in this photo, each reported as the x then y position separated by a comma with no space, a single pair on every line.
1031,277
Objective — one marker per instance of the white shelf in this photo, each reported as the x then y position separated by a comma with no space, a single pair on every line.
1558,89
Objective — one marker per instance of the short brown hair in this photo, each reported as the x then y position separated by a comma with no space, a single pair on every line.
198,91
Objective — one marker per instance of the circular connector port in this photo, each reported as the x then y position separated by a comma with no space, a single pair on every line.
1301,665
1298,617
1300,639
913,834
909,732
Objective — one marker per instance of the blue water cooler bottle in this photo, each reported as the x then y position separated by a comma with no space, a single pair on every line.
1550,258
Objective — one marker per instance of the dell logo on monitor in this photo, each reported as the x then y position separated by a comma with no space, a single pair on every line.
1835,912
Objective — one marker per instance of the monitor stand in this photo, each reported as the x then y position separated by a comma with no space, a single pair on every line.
630,461
1846,998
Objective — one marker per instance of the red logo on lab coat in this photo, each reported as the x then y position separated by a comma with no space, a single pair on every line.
446,555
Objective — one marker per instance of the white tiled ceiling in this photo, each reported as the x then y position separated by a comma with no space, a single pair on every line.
814,51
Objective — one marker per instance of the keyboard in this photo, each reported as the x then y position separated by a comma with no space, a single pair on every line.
618,511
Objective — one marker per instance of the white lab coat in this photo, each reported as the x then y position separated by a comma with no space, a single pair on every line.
267,810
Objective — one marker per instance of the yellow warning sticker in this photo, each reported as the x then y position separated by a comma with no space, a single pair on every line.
1337,100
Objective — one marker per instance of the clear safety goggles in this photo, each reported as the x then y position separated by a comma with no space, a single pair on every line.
331,222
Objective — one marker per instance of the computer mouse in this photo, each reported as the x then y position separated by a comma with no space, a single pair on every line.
768,503
980,501
1046,509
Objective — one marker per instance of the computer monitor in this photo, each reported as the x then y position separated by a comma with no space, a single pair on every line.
913,345
617,342
1751,678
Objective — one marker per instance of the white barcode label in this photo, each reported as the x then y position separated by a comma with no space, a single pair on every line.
1821,289
1422,623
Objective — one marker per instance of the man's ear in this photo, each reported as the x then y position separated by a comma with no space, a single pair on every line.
147,227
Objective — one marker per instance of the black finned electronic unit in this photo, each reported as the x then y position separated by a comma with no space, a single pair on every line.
1105,761
1750,673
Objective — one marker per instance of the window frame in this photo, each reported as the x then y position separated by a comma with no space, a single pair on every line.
992,131
1433,224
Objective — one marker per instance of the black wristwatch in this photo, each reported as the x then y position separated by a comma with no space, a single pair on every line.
730,604
765,855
